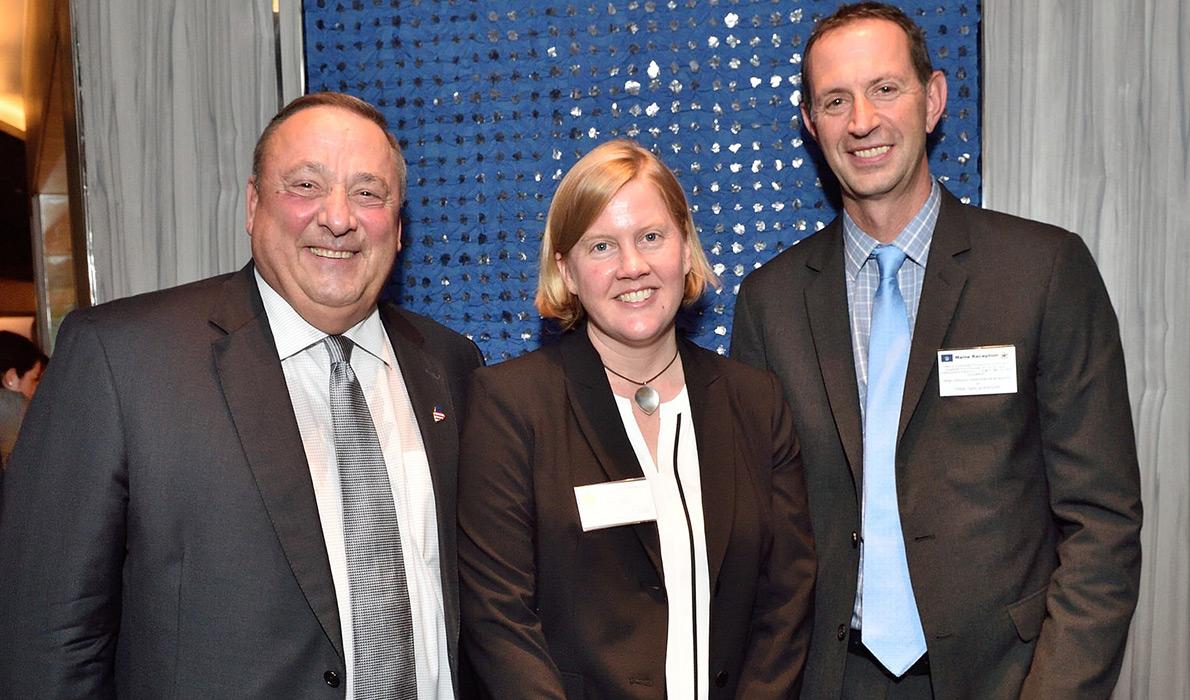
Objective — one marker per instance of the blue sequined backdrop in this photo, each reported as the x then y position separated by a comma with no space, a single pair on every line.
494,101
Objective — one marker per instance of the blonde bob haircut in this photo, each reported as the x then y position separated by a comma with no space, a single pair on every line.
582,196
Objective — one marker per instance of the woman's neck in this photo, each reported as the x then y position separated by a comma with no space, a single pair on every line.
636,363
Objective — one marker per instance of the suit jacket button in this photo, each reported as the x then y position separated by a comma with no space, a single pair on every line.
331,678
854,539
721,679
842,634
654,590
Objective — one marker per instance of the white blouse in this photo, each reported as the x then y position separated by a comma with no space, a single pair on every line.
677,497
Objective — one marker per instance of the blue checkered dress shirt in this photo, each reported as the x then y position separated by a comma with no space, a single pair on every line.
863,276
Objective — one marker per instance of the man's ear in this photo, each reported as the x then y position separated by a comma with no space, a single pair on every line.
935,99
400,229
251,196
808,122
10,379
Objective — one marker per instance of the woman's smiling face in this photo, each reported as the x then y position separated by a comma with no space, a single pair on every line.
628,270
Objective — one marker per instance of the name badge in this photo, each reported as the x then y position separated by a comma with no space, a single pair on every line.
977,371
615,503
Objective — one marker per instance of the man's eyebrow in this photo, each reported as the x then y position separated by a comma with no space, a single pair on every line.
368,178
308,166
363,177
885,78
882,78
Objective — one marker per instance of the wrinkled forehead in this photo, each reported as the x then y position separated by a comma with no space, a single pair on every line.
329,136
877,44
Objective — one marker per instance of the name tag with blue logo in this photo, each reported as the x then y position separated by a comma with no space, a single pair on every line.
990,369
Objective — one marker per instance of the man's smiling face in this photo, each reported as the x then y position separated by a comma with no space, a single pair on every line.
871,113
324,215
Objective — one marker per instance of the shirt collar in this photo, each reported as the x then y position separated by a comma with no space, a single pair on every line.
293,334
914,239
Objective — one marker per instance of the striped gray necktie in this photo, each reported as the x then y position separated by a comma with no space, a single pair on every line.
381,618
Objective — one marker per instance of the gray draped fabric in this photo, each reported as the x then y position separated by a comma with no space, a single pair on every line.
1087,125
172,95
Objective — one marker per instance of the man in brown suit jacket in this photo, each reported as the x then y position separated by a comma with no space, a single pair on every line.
1018,497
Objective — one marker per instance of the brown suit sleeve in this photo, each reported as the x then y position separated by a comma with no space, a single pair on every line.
502,634
747,336
1090,460
782,615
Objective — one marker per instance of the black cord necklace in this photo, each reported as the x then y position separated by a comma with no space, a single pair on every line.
646,397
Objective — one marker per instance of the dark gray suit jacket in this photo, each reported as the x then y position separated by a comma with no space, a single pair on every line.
1021,512
159,535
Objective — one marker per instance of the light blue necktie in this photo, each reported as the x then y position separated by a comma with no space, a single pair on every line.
891,626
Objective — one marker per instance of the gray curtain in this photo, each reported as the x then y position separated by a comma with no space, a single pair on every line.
172,94
1087,125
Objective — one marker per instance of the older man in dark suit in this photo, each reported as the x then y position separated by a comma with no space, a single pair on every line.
245,486
958,386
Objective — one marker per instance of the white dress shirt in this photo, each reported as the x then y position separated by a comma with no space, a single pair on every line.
306,364
687,583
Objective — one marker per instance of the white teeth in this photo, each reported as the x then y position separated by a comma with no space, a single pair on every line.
336,254
634,297
872,152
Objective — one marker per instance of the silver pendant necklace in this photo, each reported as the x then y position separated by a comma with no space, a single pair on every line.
646,397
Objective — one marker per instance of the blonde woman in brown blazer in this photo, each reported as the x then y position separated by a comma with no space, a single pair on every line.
632,507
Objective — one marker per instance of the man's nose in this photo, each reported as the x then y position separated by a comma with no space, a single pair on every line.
336,215
864,116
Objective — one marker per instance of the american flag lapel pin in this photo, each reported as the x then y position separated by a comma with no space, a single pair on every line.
439,414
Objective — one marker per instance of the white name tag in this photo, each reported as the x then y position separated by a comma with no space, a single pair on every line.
615,503
977,371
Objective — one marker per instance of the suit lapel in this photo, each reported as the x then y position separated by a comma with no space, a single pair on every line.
830,327
598,418
258,400
436,418
429,396
714,426
941,289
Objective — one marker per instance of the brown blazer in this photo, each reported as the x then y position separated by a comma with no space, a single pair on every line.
159,535
552,612
1021,512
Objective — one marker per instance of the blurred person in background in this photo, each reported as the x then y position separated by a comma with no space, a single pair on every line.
21,365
